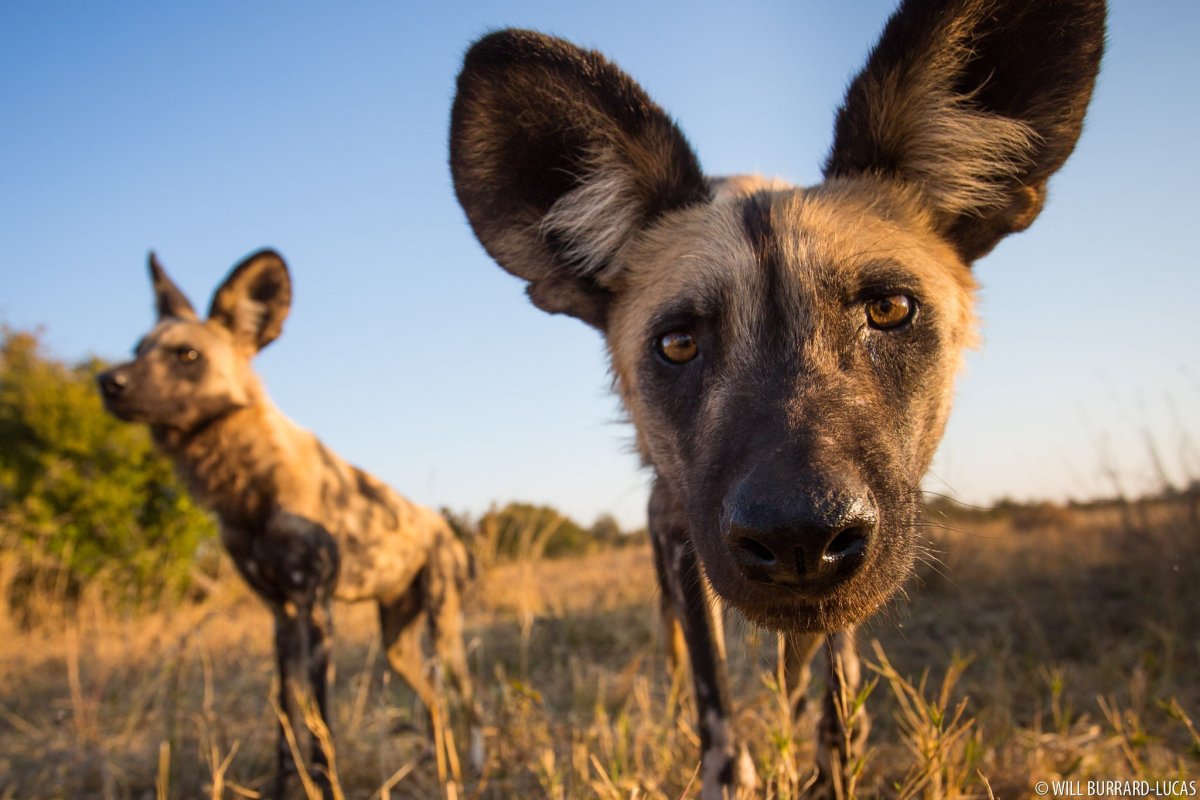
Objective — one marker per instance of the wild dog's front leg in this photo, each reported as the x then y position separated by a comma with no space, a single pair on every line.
723,768
293,654
672,631
842,733
292,564
303,637
320,645
796,652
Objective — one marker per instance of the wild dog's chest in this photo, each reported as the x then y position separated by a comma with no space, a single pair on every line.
289,560
357,549
285,518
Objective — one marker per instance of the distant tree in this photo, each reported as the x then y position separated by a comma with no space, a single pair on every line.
84,496
633,537
526,531
606,530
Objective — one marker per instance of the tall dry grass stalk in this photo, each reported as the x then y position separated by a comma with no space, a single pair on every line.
163,785
941,738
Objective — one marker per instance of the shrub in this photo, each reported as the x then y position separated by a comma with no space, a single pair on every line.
83,496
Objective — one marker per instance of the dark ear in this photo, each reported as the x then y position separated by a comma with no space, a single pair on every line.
254,300
169,301
976,103
559,158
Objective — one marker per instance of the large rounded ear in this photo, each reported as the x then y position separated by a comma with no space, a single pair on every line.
254,300
976,103
558,159
169,301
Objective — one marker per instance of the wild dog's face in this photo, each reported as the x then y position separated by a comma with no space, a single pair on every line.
786,355
185,371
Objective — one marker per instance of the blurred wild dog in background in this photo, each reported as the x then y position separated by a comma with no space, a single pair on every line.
301,525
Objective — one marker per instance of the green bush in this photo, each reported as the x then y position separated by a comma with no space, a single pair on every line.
83,496
523,530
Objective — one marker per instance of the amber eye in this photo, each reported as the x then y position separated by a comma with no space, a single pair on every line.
890,312
187,355
678,347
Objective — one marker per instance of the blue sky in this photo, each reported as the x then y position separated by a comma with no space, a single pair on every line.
208,130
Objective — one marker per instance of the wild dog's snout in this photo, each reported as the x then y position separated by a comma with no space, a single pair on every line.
113,383
808,537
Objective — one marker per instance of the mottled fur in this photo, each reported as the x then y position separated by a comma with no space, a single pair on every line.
301,525
790,430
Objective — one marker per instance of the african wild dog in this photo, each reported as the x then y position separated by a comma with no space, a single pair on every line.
786,355
302,526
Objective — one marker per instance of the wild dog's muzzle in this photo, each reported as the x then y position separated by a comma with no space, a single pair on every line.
116,389
114,383
808,534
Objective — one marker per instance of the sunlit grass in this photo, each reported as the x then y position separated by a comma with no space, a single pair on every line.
1068,649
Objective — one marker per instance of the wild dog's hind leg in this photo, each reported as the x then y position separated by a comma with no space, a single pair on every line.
401,622
724,769
450,570
445,582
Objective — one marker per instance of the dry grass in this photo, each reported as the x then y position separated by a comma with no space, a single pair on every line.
1070,648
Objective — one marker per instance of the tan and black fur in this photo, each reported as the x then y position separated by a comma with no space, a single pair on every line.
786,354
302,525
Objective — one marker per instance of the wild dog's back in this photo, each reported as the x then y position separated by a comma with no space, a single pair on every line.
385,540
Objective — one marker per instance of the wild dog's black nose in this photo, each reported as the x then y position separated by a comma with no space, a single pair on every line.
113,383
807,539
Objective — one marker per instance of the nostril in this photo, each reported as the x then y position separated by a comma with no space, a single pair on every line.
756,549
847,544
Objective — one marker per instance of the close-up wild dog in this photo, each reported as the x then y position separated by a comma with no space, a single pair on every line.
302,526
785,354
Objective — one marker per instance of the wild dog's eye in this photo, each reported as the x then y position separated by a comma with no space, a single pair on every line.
678,347
187,355
886,313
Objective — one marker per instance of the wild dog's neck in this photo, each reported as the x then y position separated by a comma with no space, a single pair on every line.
232,462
